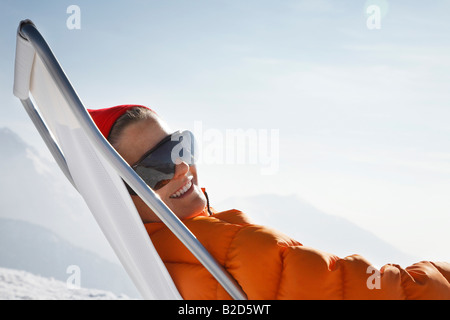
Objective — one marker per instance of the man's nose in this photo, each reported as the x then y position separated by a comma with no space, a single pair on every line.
181,169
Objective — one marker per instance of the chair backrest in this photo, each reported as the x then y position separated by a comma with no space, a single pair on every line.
96,170
94,178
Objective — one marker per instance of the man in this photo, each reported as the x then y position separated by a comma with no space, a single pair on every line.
265,263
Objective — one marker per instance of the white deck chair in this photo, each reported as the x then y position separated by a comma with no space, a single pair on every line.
96,170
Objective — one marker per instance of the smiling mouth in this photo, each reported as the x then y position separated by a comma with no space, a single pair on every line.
182,190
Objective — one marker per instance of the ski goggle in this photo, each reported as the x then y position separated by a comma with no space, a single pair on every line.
157,166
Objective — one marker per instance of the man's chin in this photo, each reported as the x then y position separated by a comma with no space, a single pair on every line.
189,209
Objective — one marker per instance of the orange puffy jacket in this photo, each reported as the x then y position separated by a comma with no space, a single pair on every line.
269,265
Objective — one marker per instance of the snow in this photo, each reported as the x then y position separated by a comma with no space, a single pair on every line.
21,285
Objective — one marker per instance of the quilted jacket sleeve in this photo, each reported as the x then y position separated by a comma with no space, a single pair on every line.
270,265
323,276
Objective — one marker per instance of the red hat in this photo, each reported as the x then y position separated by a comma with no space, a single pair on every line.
106,117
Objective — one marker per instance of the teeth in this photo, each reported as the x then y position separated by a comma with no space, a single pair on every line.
182,190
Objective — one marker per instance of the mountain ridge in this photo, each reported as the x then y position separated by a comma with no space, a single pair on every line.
35,249
39,206
310,226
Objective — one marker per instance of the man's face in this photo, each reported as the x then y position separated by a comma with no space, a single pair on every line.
182,193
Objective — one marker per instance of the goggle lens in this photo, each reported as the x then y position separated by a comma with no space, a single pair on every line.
158,164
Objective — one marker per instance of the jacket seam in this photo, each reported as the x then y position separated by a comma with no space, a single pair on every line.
277,292
227,258
228,252
343,280
402,281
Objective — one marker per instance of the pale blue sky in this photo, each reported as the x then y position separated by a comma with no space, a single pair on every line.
362,114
